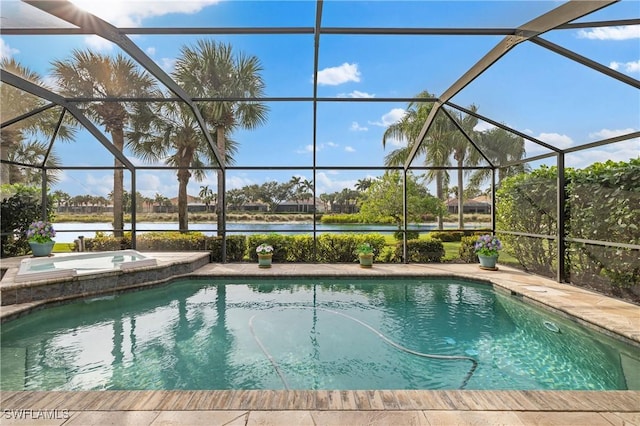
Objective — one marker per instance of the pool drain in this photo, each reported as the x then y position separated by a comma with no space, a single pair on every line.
551,326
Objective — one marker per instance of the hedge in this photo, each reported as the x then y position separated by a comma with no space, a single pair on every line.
603,203
422,251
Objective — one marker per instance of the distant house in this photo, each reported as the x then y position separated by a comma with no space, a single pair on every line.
301,206
480,204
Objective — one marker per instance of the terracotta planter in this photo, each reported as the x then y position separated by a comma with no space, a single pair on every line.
366,260
41,249
264,260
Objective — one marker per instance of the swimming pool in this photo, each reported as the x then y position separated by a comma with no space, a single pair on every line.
309,334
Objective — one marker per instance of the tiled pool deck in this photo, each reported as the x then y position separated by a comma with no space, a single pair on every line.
278,407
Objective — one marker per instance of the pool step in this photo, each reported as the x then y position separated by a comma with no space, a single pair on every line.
12,368
631,368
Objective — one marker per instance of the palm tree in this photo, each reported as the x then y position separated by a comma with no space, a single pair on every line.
172,133
463,152
211,69
206,194
363,184
435,146
500,147
89,74
21,141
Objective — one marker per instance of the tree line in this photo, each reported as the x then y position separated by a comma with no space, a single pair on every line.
171,132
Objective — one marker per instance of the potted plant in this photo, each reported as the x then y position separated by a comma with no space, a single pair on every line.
487,247
40,236
365,255
265,254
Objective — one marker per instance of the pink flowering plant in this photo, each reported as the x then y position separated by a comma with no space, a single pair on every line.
41,232
264,249
488,245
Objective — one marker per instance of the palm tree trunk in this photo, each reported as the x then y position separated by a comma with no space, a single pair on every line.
219,203
460,197
439,195
117,135
183,181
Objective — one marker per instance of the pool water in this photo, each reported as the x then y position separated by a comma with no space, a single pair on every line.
309,334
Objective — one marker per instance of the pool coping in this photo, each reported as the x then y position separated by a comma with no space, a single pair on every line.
615,317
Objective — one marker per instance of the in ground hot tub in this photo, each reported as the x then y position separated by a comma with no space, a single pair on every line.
65,265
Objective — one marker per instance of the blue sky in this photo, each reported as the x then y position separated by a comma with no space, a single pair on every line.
530,89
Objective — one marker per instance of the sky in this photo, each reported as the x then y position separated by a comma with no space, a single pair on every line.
531,89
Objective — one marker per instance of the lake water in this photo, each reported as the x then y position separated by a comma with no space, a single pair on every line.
66,232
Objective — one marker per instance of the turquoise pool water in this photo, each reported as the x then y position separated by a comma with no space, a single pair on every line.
309,334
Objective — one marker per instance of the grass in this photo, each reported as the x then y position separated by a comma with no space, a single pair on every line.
63,248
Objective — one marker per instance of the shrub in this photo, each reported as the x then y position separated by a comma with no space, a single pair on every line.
341,218
411,235
300,248
447,237
341,248
103,242
280,244
236,248
467,250
422,251
171,241
20,207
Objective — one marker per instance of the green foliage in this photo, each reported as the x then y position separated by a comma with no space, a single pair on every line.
447,237
300,248
236,248
341,218
383,198
20,207
171,241
422,251
467,251
342,248
527,203
364,248
104,242
411,235
603,203
280,244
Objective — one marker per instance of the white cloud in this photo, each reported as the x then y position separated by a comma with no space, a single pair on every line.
168,64
6,51
349,149
307,149
628,67
357,128
98,185
319,147
327,182
396,142
98,43
390,118
556,139
236,182
483,126
356,94
625,32
338,75
610,133
126,13
150,51
621,151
